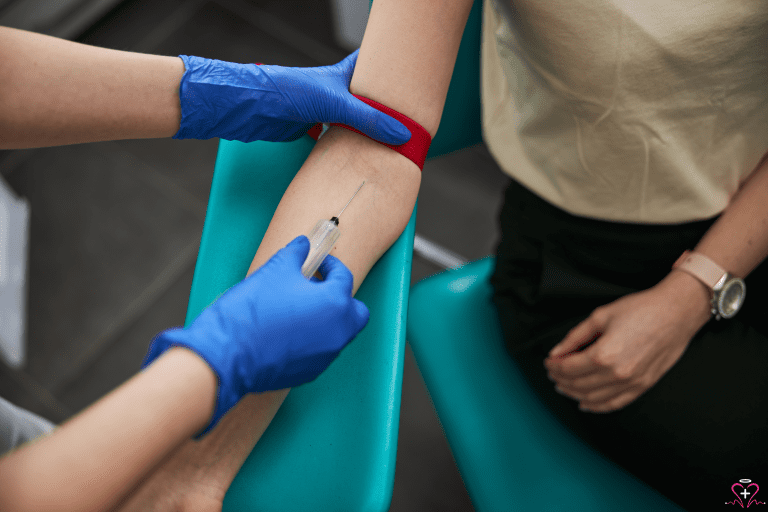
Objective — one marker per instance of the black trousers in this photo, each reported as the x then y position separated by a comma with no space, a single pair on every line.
704,425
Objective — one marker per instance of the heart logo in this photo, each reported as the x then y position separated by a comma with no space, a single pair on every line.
733,490
752,498
745,492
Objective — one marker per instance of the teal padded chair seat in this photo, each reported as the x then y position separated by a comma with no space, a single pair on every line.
513,454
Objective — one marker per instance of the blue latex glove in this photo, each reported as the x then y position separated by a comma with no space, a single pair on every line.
274,330
247,102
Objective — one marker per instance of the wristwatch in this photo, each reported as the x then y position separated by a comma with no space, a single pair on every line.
728,291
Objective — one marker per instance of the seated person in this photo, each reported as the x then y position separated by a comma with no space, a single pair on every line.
632,134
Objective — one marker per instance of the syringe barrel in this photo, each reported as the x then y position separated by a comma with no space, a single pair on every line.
321,240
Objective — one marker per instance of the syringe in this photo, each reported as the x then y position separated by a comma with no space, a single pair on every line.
321,240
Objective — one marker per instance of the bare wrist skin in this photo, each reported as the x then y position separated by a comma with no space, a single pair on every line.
737,242
691,294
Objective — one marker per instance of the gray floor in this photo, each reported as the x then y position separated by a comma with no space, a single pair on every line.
115,229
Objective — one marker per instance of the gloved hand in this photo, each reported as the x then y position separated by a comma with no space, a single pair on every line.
274,330
247,102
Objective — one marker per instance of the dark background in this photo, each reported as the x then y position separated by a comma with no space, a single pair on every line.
115,228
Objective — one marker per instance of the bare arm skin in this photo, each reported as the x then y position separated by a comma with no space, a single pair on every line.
405,62
50,94
737,241
91,461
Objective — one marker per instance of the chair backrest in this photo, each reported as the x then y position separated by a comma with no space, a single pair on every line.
512,452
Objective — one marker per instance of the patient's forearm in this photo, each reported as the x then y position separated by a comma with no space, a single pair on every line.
334,170
406,61
340,161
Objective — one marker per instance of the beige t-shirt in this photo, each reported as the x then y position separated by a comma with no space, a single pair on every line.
643,111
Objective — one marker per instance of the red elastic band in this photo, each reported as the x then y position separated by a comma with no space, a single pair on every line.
415,149
315,131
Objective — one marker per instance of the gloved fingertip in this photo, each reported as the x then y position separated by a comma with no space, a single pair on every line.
374,123
345,67
298,248
362,313
352,57
333,270
394,130
156,347
299,240
383,128
327,266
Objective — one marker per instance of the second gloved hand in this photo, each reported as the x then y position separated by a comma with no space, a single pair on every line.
274,330
247,102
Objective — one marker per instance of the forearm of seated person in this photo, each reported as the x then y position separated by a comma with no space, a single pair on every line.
340,161
406,62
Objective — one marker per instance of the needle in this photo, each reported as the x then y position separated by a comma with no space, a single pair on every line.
336,218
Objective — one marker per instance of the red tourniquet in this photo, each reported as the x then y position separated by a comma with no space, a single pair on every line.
315,131
415,149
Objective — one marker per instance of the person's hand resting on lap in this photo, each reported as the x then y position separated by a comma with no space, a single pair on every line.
634,340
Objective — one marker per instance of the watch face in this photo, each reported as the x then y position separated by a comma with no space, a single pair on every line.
731,298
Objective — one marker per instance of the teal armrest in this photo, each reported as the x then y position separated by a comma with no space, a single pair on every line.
332,444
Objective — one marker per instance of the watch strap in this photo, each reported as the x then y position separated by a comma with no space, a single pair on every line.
700,267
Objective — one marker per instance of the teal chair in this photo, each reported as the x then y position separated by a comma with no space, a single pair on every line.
332,444
513,453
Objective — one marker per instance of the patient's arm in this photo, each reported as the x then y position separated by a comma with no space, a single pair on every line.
405,62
